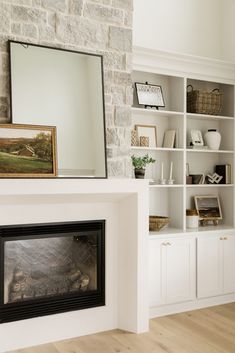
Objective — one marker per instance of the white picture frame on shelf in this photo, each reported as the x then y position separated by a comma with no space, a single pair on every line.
196,138
149,131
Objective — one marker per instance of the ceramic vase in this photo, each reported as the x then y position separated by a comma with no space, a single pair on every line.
212,139
192,219
139,173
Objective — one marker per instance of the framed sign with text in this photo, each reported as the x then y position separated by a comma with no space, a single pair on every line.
149,95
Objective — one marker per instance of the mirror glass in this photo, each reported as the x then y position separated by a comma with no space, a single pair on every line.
64,89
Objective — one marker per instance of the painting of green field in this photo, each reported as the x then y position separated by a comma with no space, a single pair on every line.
27,151
23,165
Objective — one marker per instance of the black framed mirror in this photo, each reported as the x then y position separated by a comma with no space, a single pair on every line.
62,88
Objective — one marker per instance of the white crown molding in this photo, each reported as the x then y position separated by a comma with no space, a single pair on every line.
159,61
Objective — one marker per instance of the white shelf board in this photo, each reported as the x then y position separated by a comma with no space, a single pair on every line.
166,231
209,185
165,186
195,231
166,113
157,149
209,151
219,228
209,117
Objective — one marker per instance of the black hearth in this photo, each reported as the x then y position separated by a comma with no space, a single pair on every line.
51,268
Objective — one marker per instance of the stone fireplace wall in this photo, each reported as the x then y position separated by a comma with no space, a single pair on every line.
100,26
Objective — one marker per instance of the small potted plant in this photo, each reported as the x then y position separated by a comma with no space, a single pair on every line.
139,164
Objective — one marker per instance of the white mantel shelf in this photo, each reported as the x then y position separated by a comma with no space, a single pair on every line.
58,186
124,204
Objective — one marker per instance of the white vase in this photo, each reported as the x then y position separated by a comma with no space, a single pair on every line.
192,221
212,139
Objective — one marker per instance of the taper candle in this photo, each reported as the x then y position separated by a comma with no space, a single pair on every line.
171,169
162,171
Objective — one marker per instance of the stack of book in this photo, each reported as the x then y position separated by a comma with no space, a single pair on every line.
224,170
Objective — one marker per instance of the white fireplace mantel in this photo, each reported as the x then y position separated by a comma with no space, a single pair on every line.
124,205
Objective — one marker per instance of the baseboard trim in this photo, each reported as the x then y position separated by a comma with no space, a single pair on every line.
190,305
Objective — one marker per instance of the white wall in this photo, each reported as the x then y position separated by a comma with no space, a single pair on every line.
184,26
228,44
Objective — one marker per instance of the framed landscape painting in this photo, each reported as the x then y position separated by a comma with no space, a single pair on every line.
27,151
208,207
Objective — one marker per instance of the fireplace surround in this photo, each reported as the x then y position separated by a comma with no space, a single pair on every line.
51,268
124,206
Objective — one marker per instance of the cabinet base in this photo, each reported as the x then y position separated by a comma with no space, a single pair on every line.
190,305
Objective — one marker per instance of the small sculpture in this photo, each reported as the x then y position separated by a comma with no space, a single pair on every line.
214,178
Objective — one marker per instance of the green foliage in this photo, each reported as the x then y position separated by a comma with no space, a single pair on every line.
141,162
42,146
18,164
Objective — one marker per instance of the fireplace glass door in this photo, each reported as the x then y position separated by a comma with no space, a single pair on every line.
51,267
39,268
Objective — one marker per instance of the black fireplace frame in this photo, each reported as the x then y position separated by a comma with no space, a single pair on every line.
59,303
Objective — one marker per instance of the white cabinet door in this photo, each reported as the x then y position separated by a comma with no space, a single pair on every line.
229,263
156,272
209,266
172,277
180,270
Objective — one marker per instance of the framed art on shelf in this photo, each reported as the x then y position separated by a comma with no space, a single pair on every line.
149,131
196,138
208,207
149,95
169,139
27,151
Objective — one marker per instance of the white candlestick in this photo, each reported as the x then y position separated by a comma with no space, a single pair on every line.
171,168
162,171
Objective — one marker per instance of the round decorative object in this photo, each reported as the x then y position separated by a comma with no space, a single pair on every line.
134,138
144,141
139,173
213,139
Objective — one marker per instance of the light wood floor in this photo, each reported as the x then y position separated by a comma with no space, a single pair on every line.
209,330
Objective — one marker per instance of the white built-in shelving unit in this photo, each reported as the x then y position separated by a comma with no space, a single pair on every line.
188,269
173,200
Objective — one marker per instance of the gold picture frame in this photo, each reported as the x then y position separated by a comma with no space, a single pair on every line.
27,151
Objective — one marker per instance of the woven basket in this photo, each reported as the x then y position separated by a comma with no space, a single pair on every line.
203,102
157,223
